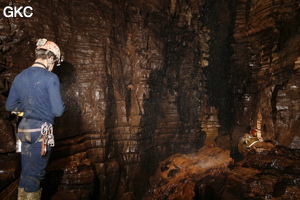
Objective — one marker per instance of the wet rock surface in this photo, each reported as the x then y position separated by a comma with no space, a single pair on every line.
200,175
144,80
270,174
265,60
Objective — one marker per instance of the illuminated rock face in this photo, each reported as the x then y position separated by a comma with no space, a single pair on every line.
200,175
266,59
145,80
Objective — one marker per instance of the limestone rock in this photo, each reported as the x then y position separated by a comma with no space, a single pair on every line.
144,80
270,174
187,176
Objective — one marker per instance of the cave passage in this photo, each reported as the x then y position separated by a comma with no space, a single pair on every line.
159,95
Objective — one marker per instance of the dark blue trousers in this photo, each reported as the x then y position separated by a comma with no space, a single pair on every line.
33,163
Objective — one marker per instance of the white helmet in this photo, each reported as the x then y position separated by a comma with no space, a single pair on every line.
49,46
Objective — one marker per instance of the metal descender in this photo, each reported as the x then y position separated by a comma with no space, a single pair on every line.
47,137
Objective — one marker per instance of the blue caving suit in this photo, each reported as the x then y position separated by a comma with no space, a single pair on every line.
36,92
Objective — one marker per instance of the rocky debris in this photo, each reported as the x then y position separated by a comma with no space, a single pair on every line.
191,176
273,173
154,78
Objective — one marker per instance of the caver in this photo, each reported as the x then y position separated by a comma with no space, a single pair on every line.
35,95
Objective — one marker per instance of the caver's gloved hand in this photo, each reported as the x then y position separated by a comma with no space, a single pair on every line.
20,114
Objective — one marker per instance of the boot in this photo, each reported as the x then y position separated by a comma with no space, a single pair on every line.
32,195
20,193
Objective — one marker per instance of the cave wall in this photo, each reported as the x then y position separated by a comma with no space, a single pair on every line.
144,80
133,85
265,70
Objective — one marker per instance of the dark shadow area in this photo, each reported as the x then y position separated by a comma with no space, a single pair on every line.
51,183
66,128
220,18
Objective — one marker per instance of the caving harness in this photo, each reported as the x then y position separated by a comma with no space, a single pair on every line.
47,137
